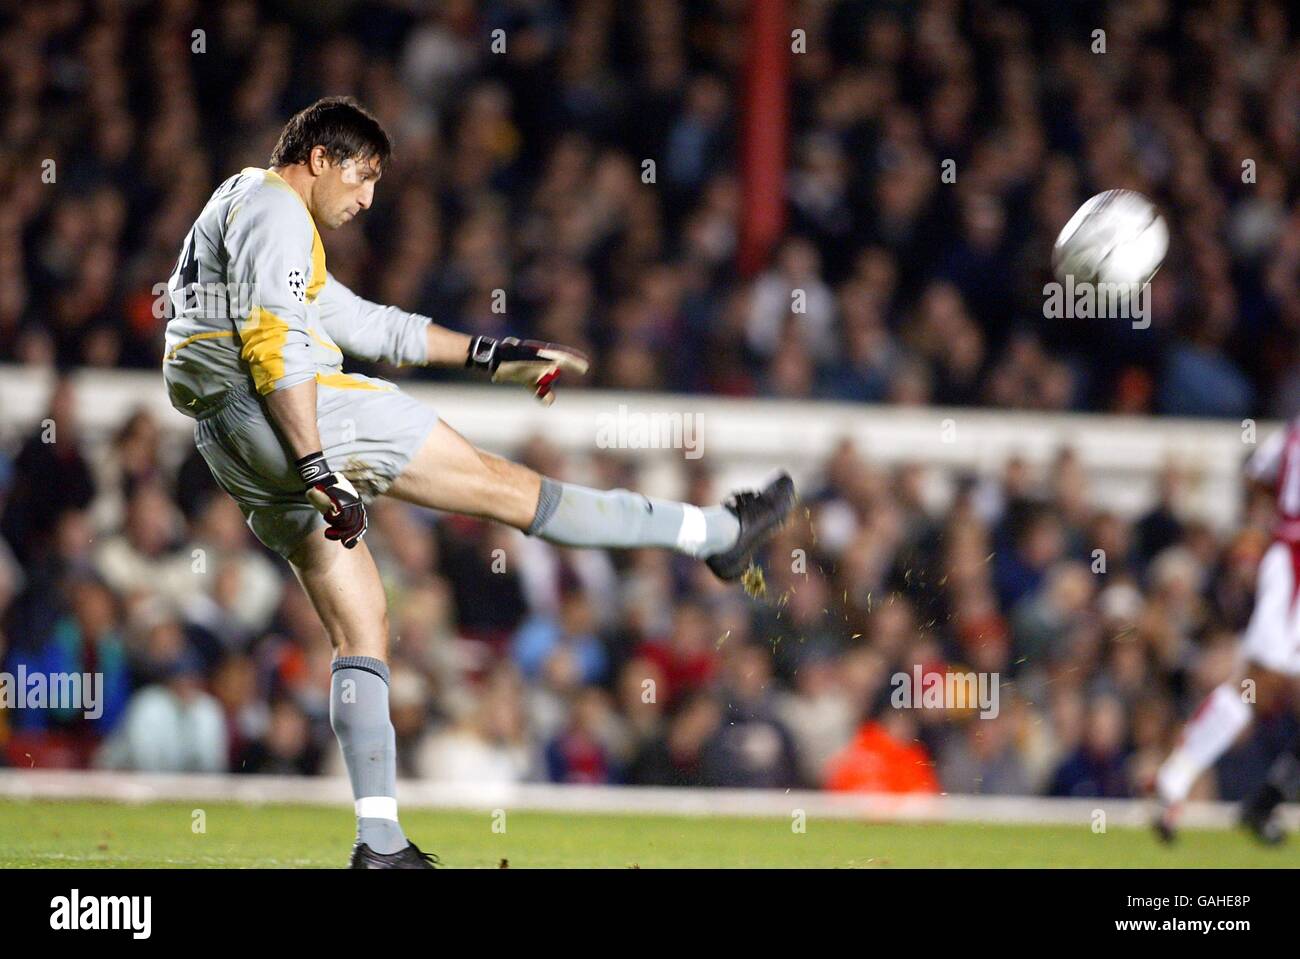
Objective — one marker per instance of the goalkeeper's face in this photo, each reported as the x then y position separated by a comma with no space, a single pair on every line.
343,190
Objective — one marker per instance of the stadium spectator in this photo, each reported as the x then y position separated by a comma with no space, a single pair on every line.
85,641
1097,766
983,759
172,726
883,757
50,477
287,749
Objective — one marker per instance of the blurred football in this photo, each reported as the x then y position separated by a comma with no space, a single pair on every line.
1115,237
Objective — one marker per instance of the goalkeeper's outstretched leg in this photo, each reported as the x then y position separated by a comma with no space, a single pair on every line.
448,473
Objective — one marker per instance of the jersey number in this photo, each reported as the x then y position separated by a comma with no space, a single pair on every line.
189,274
189,266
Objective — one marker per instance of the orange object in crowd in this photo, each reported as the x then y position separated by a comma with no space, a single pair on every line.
876,762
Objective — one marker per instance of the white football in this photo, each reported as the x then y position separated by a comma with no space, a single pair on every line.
1116,237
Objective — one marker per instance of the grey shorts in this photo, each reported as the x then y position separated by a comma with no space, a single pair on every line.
368,434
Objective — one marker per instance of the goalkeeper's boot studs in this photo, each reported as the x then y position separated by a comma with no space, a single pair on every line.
363,857
759,514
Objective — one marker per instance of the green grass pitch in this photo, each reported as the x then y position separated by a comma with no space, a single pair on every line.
42,833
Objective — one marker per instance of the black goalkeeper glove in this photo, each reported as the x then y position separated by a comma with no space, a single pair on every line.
533,363
335,497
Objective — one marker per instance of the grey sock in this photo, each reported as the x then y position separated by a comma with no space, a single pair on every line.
359,717
620,519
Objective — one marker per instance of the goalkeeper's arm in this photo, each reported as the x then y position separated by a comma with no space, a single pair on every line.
294,411
369,331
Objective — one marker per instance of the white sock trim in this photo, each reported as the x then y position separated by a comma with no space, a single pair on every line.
377,807
693,531
1175,778
1209,735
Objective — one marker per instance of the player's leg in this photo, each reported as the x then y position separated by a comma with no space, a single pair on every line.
1258,811
1227,711
1280,648
1215,726
248,460
345,589
448,473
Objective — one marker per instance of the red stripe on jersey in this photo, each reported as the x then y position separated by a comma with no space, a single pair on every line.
1287,527
1294,549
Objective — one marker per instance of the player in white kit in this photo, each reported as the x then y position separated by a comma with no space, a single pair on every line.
1270,648
254,353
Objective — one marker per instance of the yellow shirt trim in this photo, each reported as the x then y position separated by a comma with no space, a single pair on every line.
263,335
324,342
346,381
318,273
317,264
215,334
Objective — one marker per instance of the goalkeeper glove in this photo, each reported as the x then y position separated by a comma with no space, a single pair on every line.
533,363
335,497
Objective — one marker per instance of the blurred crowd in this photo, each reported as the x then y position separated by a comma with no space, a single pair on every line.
515,661
522,171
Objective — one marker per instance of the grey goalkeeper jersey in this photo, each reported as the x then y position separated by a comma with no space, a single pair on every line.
253,307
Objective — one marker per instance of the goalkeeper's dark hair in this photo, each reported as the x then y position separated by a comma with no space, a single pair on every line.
342,126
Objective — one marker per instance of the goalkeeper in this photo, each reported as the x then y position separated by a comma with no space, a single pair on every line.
254,353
